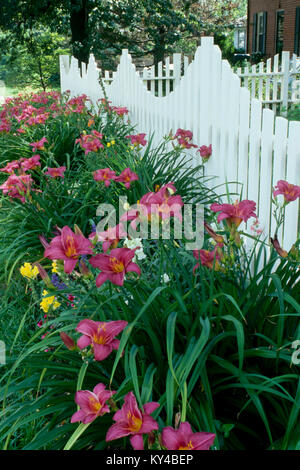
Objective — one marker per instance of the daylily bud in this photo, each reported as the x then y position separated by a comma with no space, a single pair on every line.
68,341
212,233
84,269
171,135
277,247
44,275
234,235
94,239
77,230
112,404
44,241
218,250
177,419
57,230
151,438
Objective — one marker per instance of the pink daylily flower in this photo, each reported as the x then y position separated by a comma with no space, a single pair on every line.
235,213
126,177
105,174
169,205
138,139
97,134
114,266
183,133
4,126
120,111
57,172
291,192
217,238
68,341
17,186
184,438
283,253
184,138
11,167
106,104
91,143
68,246
161,204
92,404
207,258
205,151
131,421
39,145
111,236
30,163
167,190
101,336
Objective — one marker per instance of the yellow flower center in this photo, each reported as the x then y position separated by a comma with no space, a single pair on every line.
188,447
95,405
99,339
71,248
135,423
290,190
116,265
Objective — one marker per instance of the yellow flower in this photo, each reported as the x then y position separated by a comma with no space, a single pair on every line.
54,267
113,142
48,302
29,271
108,144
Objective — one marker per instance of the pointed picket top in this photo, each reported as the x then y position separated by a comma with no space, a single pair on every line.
125,57
64,61
74,63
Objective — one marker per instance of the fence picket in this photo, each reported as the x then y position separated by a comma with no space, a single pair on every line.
279,162
254,150
293,177
243,150
265,183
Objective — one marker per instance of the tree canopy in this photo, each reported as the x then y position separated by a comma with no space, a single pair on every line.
151,28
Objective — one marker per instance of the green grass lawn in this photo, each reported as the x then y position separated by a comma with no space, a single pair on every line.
14,91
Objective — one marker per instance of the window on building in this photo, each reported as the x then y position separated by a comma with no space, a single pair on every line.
259,32
240,39
297,32
279,31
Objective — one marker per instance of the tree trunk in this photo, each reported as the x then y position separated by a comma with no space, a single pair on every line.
159,47
159,53
79,29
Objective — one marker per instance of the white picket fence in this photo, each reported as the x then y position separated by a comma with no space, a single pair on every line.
252,149
162,79
275,83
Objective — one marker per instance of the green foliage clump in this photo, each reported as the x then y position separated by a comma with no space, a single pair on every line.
212,346
33,63
294,112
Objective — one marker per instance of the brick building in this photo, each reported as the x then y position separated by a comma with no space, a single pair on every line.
273,26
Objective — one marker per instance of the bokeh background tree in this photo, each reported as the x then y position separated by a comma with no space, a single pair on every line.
34,32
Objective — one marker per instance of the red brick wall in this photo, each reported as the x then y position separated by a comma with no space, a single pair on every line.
271,6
